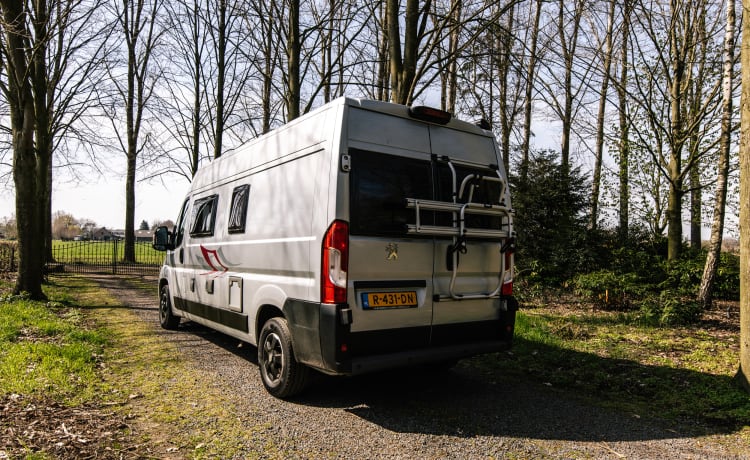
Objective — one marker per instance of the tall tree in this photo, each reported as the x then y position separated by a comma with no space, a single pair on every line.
530,83
666,45
705,295
137,20
293,50
24,54
743,375
600,116
623,127
566,79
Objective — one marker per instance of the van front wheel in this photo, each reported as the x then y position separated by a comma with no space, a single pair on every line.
282,375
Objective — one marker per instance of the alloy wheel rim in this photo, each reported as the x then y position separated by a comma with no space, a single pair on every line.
273,357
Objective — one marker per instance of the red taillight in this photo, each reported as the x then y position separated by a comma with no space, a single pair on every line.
507,288
334,263
421,112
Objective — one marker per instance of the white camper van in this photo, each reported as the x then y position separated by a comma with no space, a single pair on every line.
359,237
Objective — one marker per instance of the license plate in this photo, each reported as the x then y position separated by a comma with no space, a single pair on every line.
371,300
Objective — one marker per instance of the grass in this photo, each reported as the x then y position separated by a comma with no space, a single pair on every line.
102,252
679,373
82,348
46,349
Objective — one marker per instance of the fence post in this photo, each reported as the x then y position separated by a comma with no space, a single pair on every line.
114,257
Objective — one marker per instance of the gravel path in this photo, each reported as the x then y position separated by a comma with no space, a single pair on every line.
461,414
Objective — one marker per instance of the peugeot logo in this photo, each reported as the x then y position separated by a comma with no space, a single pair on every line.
391,251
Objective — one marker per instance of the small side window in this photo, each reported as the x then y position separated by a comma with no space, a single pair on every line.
204,216
179,229
238,213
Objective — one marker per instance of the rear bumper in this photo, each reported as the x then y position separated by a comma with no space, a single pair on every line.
322,339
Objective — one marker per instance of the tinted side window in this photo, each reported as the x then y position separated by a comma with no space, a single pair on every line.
204,216
238,210
380,184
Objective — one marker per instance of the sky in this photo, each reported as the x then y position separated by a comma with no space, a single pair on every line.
103,201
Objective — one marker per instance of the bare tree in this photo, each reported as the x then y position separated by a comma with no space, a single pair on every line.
50,53
137,21
666,72
624,127
531,67
705,295
24,54
743,374
600,116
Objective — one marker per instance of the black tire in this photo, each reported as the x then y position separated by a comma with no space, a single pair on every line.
167,319
280,372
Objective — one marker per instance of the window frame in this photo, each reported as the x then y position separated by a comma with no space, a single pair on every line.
233,229
198,206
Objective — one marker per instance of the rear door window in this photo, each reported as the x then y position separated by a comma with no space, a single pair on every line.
485,192
380,185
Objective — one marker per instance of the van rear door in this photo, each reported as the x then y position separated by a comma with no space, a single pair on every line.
469,164
391,272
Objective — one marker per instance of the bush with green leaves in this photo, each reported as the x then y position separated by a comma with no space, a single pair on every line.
607,289
550,202
669,308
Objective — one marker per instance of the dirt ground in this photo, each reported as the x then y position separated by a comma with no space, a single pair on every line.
465,414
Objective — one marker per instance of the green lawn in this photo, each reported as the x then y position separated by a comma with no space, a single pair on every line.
94,252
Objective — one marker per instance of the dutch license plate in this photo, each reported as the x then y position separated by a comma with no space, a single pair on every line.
389,299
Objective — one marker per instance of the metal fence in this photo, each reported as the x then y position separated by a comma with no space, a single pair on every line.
103,257
8,256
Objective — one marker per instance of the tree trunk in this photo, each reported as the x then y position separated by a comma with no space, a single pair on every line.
599,148
30,166
743,374
529,90
293,55
705,294
221,71
624,144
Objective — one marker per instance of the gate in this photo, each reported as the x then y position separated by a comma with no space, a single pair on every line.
104,257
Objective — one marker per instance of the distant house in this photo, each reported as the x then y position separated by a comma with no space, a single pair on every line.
144,235
103,234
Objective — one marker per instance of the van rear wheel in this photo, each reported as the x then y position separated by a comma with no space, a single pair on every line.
167,319
282,375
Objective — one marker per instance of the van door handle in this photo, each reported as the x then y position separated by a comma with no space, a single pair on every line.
182,253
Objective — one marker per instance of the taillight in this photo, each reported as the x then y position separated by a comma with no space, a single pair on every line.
421,112
507,288
334,263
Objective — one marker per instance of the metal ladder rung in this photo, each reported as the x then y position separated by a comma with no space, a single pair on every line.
435,230
445,206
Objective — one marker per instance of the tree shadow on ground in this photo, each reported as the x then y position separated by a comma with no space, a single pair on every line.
480,399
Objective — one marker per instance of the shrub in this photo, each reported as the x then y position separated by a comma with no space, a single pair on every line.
608,289
670,309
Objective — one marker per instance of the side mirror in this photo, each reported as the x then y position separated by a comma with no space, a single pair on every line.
162,239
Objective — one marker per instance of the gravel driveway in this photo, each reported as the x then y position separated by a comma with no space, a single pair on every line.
463,413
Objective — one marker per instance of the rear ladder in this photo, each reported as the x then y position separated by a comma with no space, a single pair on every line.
462,205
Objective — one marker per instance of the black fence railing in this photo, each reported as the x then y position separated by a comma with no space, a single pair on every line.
104,257
8,256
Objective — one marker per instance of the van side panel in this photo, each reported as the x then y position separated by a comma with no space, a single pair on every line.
228,276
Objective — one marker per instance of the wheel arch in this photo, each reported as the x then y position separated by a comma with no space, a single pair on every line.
265,312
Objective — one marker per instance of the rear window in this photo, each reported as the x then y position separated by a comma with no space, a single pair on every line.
380,185
485,192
